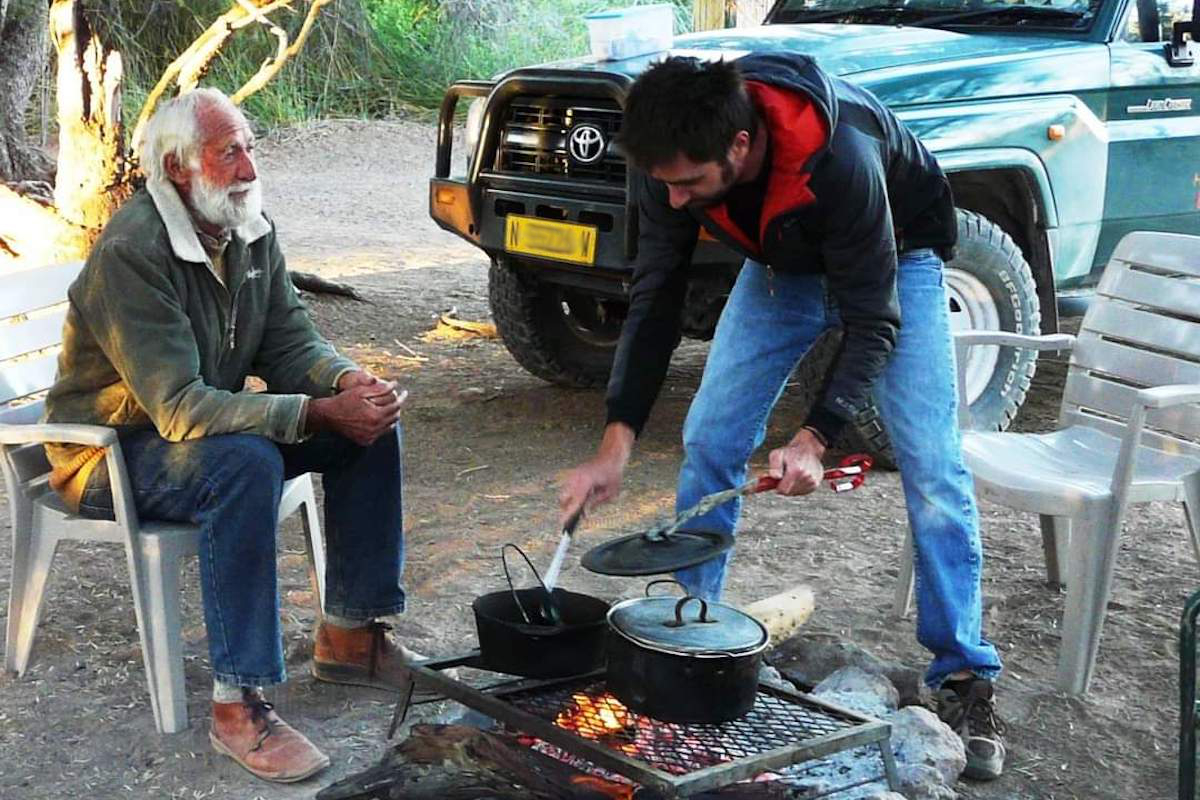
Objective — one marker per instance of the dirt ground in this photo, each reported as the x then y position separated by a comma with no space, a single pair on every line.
485,445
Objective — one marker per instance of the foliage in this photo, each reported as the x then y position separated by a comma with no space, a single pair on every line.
366,58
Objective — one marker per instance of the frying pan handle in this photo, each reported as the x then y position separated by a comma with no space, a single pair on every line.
508,577
664,580
679,623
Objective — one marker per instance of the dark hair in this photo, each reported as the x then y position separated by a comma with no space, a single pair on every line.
685,105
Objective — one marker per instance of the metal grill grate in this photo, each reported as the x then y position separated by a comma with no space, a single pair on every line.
586,709
577,721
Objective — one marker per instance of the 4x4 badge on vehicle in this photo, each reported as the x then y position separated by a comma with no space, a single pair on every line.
1166,104
586,144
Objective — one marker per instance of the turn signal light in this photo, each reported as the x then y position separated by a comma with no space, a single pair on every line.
1056,132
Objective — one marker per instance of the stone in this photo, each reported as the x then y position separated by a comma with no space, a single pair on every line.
854,685
919,782
920,739
807,660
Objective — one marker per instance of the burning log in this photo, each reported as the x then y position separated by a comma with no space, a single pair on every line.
454,762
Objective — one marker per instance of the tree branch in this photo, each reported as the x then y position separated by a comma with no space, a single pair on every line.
188,68
272,66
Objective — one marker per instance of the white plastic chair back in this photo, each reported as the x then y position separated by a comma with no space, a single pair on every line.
1142,330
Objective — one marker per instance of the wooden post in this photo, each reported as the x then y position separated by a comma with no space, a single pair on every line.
751,12
710,15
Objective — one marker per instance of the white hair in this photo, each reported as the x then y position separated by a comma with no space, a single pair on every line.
174,130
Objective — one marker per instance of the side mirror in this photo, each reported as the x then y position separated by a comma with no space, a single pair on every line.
1179,49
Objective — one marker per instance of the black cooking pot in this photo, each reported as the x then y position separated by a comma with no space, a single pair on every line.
684,659
517,637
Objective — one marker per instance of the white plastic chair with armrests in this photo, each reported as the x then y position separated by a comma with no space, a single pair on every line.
1128,433
32,309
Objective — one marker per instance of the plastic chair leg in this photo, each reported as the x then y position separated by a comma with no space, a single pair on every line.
1187,698
1056,544
1191,510
164,656
1094,545
31,569
315,545
902,602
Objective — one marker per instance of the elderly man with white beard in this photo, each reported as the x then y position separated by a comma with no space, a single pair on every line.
184,295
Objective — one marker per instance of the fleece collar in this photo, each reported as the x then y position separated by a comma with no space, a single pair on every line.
798,131
182,234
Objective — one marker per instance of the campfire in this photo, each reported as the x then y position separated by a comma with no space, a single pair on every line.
595,717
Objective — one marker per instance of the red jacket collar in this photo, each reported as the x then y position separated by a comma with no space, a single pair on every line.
798,131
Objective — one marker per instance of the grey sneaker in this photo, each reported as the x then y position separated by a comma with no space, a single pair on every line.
969,708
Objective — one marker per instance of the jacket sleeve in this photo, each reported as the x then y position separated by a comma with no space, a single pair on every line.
650,334
293,357
854,225
135,313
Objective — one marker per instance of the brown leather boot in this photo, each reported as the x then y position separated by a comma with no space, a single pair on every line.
364,656
253,735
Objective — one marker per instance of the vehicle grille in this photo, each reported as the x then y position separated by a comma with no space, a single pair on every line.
534,139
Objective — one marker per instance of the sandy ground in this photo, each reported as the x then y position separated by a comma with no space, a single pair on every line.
486,442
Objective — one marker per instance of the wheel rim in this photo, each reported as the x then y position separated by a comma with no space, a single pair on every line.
972,307
589,320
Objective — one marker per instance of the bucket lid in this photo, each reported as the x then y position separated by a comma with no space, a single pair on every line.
688,626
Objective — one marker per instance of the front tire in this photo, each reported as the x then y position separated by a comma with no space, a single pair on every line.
989,286
559,335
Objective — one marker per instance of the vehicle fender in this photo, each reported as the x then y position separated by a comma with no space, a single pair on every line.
1057,139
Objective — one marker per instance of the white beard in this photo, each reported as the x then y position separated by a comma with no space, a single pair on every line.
216,205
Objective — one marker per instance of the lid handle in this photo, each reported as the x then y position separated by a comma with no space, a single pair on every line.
678,621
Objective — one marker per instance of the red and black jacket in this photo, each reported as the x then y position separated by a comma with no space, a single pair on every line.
849,187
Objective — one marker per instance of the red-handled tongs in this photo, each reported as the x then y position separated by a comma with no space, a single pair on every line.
850,473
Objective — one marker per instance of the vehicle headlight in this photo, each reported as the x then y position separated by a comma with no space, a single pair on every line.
473,127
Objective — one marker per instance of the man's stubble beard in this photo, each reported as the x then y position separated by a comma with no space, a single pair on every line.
728,176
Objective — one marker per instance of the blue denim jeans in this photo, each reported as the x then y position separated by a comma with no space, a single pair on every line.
229,486
769,323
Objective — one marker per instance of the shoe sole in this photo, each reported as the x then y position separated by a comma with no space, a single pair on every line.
220,747
352,676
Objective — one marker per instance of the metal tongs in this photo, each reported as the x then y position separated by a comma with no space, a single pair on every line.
850,473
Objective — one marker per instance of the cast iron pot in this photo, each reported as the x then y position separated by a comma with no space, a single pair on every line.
684,667
516,637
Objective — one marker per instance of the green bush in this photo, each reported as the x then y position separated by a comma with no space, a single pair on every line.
365,58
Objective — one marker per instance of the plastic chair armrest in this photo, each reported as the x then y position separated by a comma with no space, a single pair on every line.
1166,396
1050,341
67,433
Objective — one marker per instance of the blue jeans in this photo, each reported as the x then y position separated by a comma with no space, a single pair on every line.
229,486
768,324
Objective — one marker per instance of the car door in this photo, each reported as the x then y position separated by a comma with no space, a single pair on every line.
1154,130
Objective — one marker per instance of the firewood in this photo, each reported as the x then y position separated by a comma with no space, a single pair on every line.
315,283
783,613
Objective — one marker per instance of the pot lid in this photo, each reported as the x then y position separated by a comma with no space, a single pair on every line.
640,554
687,626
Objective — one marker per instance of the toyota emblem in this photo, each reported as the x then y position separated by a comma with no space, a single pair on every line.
586,144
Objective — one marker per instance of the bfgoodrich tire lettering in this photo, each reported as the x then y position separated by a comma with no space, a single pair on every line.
536,324
989,285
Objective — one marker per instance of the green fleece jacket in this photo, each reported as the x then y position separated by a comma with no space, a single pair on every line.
153,337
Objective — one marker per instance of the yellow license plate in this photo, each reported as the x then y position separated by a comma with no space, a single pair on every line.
546,238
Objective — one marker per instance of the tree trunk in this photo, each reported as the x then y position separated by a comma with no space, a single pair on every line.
22,56
91,181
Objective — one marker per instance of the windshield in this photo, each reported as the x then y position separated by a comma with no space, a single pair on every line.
1075,15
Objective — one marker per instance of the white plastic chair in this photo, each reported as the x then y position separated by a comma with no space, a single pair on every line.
1129,432
32,309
